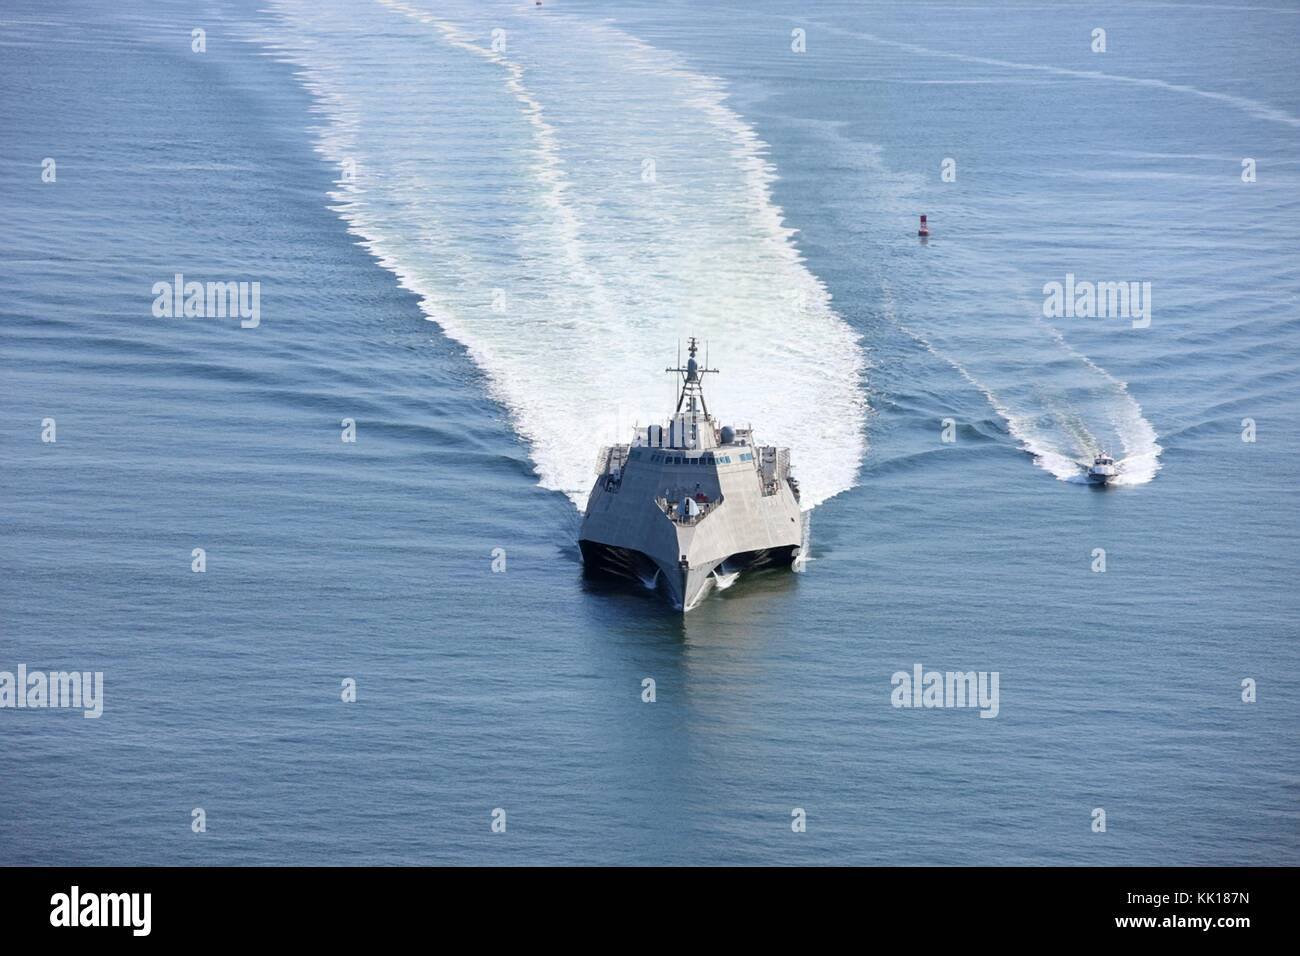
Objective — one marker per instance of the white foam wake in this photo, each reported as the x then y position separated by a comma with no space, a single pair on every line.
570,219
1255,108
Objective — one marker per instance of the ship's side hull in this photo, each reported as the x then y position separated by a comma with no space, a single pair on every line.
615,562
683,588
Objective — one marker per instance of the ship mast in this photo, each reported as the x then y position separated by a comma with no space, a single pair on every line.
692,391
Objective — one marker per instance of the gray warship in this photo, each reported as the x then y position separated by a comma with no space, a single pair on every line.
688,505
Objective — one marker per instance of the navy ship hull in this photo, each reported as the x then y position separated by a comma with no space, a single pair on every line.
634,567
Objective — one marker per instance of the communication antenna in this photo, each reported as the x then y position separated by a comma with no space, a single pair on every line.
692,392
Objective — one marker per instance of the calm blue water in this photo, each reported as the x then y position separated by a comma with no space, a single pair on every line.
465,250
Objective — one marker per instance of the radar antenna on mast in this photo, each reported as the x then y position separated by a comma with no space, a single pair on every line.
692,387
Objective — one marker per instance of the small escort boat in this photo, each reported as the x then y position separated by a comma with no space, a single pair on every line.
1103,470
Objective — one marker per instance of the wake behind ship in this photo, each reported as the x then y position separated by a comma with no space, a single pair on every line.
690,504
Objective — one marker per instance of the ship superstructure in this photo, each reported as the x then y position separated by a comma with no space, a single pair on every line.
689,503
